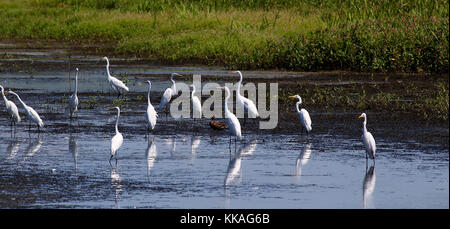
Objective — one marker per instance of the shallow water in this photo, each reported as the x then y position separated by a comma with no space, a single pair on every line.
184,164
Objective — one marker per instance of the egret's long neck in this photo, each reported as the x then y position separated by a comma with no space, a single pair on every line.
3,94
174,86
20,100
76,83
148,94
239,85
364,125
193,91
297,106
117,121
107,67
227,96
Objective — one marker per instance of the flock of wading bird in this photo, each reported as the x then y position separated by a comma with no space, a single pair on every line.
232,123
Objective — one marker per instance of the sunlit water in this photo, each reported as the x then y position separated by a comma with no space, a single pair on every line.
68,166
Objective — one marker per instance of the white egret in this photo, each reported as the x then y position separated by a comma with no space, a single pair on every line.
11,108
303,114
115,83
169,92
245,103
73,100
117,140
368,140
230,118
30,112
196,104
151,114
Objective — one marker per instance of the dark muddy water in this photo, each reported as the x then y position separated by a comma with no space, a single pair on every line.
185,164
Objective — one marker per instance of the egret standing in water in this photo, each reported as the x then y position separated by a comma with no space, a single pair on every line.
115,83
303,114
368,140
245,103
169,92
31,113
11,108
151,115
230,118
117,140
73,100
196,104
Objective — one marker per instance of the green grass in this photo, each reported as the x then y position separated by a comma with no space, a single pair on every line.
302,35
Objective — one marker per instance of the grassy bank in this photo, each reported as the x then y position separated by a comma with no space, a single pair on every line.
358,35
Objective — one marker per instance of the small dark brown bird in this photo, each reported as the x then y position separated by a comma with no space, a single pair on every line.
216,125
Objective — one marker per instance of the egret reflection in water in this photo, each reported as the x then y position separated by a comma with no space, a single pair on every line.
73,149
368,186
33,147
151,154
116,184
303,159
195,143
12,149
234,174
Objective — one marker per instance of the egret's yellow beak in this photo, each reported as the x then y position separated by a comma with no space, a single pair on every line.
6,93
104,58
190,85
233,72
361,116
178,74
292,96
111,108
220,87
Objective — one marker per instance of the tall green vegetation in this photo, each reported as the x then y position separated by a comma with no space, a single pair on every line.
302,35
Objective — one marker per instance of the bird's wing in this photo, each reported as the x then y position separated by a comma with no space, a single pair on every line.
151,116
116,82
306,118
12,110
165,98
116,142
249,106
372,144
35,116
197,105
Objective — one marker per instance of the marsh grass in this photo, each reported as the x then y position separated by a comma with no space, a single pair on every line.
360,35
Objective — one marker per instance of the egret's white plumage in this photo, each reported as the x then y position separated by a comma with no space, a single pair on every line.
303,114
11,108
30,112
245,103
230,118
73,100
169,92
117,140
151,114
196,104
367,138
115,83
